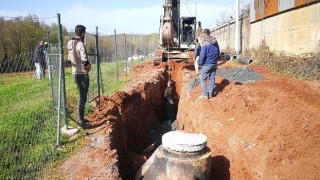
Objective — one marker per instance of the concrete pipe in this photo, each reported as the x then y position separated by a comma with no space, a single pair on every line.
222,55
182,155
228,57
244,60
234,57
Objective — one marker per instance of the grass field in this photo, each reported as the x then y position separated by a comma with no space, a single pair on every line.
27,125
28,120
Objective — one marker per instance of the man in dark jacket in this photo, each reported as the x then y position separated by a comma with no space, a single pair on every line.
208,60
39,60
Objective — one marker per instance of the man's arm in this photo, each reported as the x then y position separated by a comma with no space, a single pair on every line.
83,55
202,55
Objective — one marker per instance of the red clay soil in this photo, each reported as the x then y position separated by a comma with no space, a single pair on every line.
269,129
120,125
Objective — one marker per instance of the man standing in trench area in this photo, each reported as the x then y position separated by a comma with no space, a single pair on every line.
78,58
208,60
168,95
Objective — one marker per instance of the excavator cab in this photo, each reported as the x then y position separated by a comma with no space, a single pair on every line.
188,32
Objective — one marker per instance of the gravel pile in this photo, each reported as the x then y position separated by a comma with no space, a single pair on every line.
239,75
193,84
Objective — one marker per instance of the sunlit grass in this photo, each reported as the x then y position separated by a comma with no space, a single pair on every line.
28,119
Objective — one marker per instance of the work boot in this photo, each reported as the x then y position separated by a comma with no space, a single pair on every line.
83,123
203,97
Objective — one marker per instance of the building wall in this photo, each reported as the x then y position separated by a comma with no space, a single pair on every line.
225,36
262,9
295,32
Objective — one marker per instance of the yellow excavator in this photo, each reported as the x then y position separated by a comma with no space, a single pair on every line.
177,35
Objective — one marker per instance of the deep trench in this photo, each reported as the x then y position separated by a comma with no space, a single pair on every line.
141,129
138,116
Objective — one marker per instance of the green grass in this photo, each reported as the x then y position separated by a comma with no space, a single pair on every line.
109,74
28,120
27,125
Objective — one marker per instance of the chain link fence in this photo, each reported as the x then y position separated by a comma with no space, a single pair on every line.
31,108
94,59
17,63
27,121
28,115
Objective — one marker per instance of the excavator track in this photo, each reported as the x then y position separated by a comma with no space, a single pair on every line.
161,55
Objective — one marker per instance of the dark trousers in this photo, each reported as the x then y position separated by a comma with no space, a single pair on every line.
82,82
169,110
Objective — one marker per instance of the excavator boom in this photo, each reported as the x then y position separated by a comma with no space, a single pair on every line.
177,34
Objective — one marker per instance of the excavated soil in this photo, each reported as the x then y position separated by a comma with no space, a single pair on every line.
268,129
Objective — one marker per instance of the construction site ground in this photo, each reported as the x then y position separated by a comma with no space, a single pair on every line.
267,129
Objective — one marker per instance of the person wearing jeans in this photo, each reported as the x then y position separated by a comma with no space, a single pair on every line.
208,71
208,60
81,66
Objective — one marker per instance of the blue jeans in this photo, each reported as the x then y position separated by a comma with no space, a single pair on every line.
208,71
82,82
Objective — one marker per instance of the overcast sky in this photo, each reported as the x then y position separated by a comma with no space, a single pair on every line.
126,16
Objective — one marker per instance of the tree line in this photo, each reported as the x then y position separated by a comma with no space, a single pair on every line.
18,38
20,35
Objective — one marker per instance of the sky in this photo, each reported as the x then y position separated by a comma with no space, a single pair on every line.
124,16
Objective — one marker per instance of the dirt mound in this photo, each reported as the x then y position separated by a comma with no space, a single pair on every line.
267,129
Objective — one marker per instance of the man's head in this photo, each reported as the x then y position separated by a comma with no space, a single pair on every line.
205,33
41,42
80,30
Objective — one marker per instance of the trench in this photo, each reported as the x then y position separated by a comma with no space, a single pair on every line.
139,119
138,116
239,122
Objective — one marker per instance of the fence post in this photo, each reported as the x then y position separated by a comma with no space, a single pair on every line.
115,43
138,47
125,50
131,51
61,84
98,61
59,91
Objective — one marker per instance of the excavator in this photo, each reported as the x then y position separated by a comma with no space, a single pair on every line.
177,35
